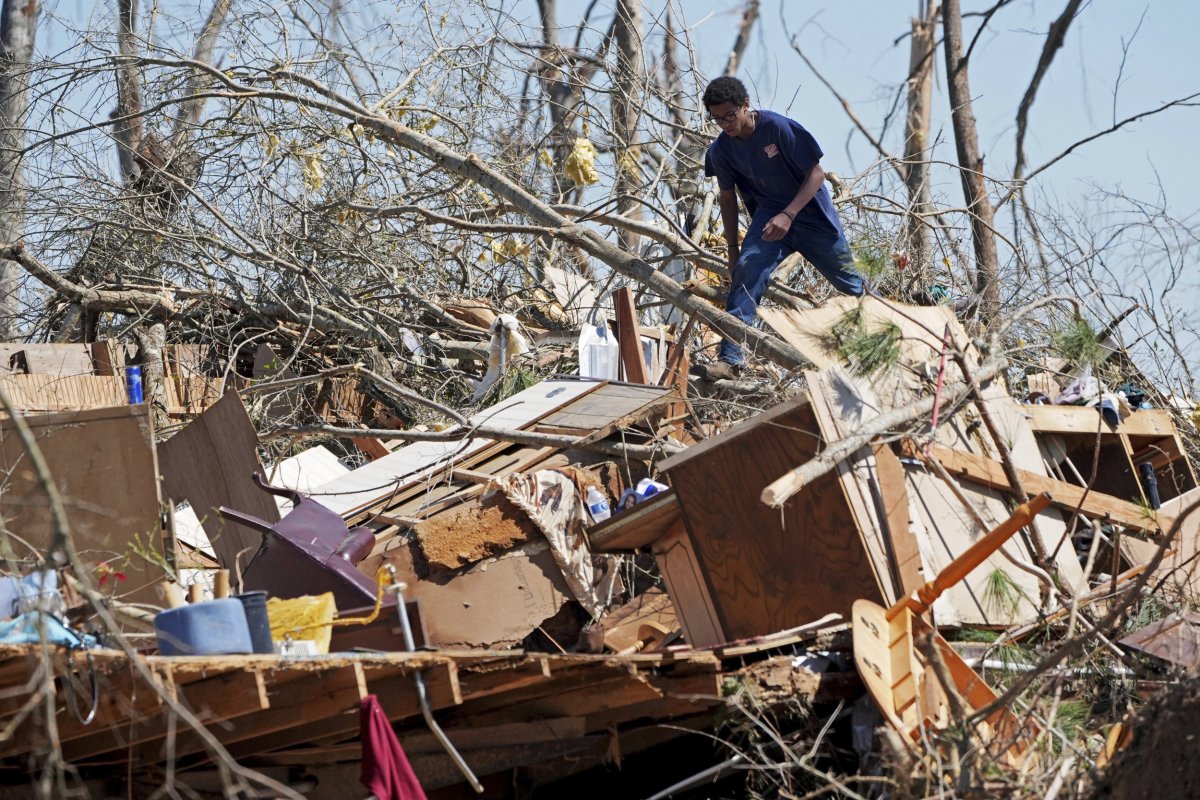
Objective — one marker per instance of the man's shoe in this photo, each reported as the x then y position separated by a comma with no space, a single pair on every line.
718,371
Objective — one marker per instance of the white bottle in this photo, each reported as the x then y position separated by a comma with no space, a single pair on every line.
597,505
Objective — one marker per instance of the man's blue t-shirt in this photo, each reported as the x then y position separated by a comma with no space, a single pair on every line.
769,167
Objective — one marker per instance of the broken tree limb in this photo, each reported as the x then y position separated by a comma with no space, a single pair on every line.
779,490
133,301
316,96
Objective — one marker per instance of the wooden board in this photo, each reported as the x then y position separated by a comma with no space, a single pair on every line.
638,527
1179,572
988,472
103,464
42,394
893,498
209,464
633,365
1083,419
688,588
767,569
604,407
56,359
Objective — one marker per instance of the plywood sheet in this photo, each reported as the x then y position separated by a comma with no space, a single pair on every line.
766,569
1180,571
604,406
103,464
209,464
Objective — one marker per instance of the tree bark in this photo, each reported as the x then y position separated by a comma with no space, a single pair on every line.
626,109
916,136
18,26
970,164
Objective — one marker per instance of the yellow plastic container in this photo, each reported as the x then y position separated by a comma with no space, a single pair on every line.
308,617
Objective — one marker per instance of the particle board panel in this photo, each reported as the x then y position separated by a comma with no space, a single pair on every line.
497,602
946,529
209,464
767,569
103,463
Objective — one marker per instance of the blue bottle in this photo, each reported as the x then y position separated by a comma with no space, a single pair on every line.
133,384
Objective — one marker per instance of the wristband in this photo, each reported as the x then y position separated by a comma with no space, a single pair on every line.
790,215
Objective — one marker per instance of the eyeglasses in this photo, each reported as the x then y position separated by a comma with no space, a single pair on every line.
730,117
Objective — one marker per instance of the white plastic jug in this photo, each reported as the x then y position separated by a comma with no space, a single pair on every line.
599,353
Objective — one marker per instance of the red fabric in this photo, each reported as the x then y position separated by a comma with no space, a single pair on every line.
385,769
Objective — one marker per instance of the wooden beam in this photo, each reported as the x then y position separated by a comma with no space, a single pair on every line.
227,696
989,472
629,337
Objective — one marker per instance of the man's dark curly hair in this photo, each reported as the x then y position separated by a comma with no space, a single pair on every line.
725,90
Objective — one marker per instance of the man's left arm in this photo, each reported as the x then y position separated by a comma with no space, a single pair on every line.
778,225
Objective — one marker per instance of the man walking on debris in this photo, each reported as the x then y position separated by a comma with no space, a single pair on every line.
775,164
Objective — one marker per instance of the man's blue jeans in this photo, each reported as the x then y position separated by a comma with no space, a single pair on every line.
830,254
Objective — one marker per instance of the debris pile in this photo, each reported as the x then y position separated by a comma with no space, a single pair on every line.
585,571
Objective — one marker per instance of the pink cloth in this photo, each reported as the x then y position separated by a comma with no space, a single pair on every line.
385,769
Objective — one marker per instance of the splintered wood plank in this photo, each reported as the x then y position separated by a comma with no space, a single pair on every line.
989,472
397,693
311,698
209,464
767,569
680,697
638,527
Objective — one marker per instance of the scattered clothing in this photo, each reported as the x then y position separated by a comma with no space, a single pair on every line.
556,506
385,769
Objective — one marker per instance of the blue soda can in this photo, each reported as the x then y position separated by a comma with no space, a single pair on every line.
133,384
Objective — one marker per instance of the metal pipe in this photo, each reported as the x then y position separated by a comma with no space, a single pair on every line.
423,698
